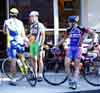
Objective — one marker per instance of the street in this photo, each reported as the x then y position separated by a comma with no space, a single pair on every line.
43,87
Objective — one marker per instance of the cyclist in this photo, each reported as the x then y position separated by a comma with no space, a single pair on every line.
15,35
37,30
75,34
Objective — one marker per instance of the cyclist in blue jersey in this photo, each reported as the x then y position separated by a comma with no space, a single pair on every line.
75,34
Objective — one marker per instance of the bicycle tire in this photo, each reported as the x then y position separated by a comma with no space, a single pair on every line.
93,75
31,76
6,69
50,75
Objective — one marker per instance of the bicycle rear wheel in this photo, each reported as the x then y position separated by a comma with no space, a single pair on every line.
30,76
92,73
54,73
7,69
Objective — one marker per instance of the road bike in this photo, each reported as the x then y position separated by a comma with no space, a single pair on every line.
24,69
54,71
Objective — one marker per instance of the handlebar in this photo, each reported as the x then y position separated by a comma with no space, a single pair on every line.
55,50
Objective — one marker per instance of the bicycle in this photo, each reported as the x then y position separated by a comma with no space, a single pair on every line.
92,70
55,74
23,69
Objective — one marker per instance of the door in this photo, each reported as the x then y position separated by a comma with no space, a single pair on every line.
68,8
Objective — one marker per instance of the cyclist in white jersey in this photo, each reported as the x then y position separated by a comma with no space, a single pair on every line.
37,30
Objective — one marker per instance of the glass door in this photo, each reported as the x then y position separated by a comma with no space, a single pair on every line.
45,8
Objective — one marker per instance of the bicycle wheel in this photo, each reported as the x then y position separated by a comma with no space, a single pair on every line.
7,69
54,73
30,76
92,73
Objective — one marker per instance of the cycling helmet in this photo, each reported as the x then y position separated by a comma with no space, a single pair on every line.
14,11
73,19
34,13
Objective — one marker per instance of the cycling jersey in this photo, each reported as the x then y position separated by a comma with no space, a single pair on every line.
15,36
36,29
76,35
75,38
15,30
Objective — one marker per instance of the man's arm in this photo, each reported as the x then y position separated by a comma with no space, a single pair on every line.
4,27
65,37
23,32
42,37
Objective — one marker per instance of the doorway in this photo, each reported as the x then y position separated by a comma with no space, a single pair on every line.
68,8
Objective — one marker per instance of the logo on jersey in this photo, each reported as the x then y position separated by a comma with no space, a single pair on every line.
34,30
75,36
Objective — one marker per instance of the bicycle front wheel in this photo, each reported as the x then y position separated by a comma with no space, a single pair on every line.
31,76
92,73
54,73
12,73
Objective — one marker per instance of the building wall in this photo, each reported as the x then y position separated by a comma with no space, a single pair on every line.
94,14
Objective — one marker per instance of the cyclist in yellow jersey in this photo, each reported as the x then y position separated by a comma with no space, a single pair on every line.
15,37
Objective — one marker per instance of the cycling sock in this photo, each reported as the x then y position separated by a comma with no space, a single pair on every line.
40,75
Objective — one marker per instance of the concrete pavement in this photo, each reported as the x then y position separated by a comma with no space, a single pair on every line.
43,87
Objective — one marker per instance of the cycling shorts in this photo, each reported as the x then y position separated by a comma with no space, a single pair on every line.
14,49
34,49
73,53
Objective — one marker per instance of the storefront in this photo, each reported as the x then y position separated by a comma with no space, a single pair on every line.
46,9
88,10
54,13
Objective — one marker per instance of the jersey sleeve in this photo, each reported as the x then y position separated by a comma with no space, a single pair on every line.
42,28
42,31
5,30
4,26
83,30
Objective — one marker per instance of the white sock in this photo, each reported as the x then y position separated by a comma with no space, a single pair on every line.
40,75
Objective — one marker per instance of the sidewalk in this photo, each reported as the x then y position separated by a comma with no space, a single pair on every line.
43,87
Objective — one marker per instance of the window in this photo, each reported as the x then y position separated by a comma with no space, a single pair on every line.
45,8
68,8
